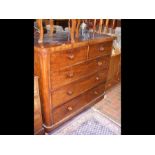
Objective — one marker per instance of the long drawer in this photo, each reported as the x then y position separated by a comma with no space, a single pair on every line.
100,49
77,103
62,59
72,90
70,74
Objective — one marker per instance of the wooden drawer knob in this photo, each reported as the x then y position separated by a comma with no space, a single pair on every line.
97,78
71,56
100,63
95,92
70,74
69,92
101,49
70,108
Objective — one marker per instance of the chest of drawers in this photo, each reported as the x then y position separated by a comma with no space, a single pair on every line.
72,77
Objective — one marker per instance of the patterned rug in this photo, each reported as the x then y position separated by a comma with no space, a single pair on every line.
90,122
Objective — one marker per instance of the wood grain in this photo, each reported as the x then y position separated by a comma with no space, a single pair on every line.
68,57
75,72
100,49
74,89
73,105
114,73
40,26
66,72
38,129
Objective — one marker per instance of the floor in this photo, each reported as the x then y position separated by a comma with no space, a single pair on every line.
111,104
89,122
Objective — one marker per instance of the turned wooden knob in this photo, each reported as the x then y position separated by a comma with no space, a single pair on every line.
99,63
71,56
95,92
101,49
70,74
70,108
69,92
97,78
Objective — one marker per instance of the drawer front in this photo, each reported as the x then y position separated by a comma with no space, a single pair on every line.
72,90
100,49
62,59
70,74
77,103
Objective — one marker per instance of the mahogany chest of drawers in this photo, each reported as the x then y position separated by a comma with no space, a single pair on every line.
71,77
38,129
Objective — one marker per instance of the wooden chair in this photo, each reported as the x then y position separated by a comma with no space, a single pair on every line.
41,30
103,26
74,25
51,27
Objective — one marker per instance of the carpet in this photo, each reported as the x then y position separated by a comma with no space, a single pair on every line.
90,122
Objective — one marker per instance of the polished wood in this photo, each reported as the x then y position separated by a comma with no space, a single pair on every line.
51,27
77,29
107,26
75,72
40,26
72,30
73,105
100,49
76,112
94,26
38,128
100,26
74,89
114,73
113,24
68,57
44,59
68,71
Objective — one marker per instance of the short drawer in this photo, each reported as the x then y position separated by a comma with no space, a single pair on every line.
70,74
100,49
77,103
72,90
62,59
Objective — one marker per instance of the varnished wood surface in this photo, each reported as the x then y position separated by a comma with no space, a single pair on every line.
76,112
75,72
114,73
67,71
72,30
40,25
100,49
38,129
74,89
73,105
51,27
44,83
68,57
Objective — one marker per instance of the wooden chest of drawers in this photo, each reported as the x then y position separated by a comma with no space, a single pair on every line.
72,77
38,129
